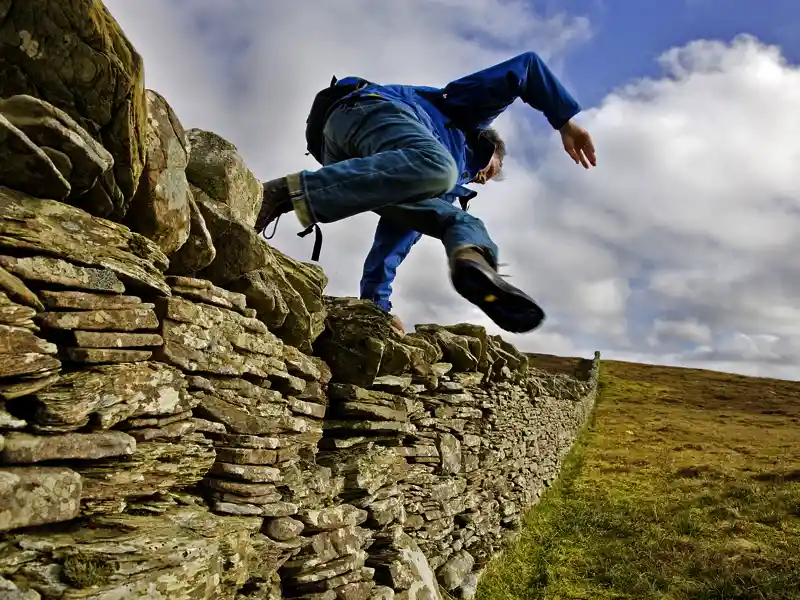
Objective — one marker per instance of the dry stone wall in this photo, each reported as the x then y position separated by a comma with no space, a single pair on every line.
184,414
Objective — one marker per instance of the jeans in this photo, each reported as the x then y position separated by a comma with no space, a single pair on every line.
379,156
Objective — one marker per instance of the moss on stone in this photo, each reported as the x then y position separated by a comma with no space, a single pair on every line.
87,570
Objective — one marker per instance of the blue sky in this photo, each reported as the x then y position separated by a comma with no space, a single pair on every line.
629,35
679,248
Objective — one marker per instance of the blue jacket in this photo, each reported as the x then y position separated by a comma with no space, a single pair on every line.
470,103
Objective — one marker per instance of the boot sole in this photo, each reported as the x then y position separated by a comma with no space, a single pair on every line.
510,308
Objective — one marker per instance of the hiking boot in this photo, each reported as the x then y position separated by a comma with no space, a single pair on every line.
479,282
276,202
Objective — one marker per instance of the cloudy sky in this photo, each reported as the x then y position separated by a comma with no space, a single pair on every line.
681,247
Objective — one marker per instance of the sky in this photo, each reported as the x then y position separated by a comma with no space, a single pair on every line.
679,248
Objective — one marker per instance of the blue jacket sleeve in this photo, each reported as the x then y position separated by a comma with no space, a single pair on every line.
391,245
476,100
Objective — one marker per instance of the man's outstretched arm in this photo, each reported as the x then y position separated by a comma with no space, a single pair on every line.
477,99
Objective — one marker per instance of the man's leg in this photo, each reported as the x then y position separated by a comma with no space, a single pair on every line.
473,261
378,153
391,245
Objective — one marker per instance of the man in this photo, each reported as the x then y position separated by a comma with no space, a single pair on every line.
405,153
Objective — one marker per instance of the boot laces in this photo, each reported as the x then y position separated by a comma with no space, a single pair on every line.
503,275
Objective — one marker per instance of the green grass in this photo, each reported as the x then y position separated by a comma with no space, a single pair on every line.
685,485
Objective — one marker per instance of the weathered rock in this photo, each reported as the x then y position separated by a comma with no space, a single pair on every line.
287,297
9,421
247,456
185,553
27,363
75,300
16,315
20,340
239,249
75,57
16,289
125,319
353,342
456,348
155,421
450,451
332,569
216,168
155,466
204,338
469,588
48,270
114,339
241,489
454,571
22,448
284,528
373,412
9,591
31,224
111,394
251,473
335,517
367,469
381,592
171,430
38,495
308,367
248,418
201,290
26,167
198,251
24,387
82,159
263,293
160,209
101,356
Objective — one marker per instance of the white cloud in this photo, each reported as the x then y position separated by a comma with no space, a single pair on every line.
678,248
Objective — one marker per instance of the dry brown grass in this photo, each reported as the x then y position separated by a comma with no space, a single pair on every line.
685,486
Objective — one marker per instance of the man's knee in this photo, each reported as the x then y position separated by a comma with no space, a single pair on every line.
441,171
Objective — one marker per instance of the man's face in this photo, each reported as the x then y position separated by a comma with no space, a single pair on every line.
489,171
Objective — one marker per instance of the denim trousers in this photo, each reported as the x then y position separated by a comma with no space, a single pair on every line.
379,156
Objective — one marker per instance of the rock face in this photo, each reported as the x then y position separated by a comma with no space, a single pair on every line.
74,56
161,209
183,413
216,168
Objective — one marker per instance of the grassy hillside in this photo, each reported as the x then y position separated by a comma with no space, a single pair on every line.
685,486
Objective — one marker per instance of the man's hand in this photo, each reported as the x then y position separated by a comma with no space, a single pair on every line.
578,144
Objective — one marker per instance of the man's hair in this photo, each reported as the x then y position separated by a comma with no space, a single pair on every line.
499,148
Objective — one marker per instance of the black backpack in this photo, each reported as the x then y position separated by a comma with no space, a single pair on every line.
324,103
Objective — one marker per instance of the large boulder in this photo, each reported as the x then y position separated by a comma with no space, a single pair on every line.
216,168
73,55
161,209
199,251
25,167
287,296
44,145
360,344
239,249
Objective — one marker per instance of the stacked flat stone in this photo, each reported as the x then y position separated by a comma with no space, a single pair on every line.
177,549
118,423
331,563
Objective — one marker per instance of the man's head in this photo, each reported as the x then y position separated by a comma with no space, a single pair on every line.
494,170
